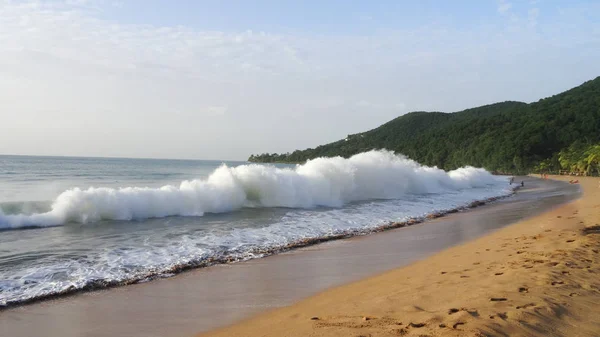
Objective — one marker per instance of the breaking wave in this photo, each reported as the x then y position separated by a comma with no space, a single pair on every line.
329,182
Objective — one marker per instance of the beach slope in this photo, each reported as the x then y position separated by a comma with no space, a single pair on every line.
538,277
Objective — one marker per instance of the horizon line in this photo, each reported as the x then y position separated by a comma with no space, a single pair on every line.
116,157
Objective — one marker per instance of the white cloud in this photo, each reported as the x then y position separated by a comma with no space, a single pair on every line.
504,6
74,84
379,105
216,110
532,16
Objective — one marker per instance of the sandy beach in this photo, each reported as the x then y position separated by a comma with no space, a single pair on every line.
210,298
538,277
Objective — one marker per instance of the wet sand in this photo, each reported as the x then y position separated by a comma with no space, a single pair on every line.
209,298
538,277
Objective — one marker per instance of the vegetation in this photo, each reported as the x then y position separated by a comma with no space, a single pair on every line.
577,159
554,133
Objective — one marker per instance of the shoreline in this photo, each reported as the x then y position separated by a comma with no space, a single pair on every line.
524,279
256,253
213,297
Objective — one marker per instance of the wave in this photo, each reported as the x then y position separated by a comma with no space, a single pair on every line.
329,182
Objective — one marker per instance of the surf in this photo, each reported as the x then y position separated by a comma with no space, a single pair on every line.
321,182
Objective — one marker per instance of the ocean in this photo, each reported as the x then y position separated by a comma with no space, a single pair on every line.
68,224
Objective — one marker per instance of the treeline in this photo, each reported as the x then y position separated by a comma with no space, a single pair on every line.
507,137
577,159
269,158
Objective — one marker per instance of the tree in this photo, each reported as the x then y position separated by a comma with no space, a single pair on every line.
507,137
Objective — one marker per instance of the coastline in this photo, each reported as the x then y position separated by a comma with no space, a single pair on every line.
216,296
537,277
255,253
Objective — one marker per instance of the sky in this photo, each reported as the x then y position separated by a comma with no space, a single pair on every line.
196,79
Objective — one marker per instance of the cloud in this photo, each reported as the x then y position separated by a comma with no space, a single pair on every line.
216,110
532,16
504,6
379,105
67,31
67,72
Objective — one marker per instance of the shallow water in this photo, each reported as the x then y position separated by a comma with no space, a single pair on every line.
207,298
77,223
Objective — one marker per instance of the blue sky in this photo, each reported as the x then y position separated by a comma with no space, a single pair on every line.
336,17
224,79
303,17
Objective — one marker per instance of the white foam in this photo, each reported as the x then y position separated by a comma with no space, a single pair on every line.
330,182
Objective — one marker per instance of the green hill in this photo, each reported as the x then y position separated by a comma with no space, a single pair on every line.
502,137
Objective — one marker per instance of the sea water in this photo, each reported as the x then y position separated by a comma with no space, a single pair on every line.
78,223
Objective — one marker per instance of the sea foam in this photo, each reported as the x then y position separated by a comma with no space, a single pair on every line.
329,182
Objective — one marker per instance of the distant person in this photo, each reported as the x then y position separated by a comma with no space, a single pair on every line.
522,183
511,180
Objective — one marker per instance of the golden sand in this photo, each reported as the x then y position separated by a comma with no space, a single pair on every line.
539,277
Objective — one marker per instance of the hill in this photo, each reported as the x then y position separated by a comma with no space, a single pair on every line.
503,137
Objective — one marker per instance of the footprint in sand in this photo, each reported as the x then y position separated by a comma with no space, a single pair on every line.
557,283
502,315
525,306
498,274
498,299
457,324
472,312
523,290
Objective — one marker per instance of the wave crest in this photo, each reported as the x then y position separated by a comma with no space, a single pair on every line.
330,182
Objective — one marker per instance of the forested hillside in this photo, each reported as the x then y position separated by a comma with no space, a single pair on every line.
510,137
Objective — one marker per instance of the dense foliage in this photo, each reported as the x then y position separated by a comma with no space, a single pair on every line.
503,137
578,159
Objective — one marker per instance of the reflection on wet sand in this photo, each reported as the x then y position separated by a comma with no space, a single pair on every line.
211,297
